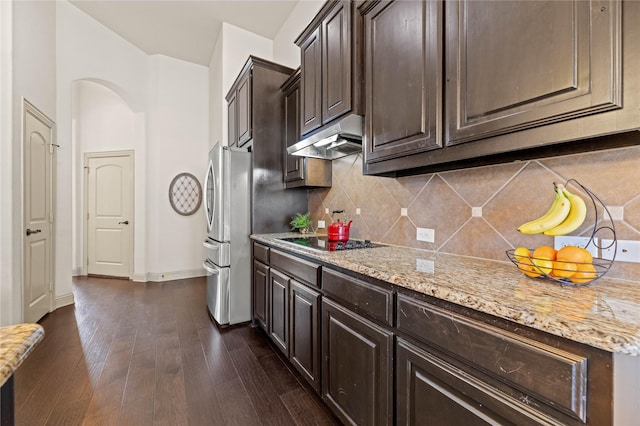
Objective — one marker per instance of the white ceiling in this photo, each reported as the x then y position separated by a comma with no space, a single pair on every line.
186,29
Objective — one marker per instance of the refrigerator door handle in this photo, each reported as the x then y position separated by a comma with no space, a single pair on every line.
209,269
210,246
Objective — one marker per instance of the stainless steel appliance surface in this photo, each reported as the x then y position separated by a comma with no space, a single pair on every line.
323,244
227,200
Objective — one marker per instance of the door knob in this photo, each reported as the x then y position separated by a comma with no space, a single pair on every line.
126,222
35,231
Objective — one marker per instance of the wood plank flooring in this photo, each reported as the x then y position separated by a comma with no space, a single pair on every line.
147,354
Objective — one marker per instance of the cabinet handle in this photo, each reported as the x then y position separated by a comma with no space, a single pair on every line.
126,222
35,231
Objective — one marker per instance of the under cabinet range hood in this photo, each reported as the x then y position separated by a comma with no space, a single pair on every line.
334,141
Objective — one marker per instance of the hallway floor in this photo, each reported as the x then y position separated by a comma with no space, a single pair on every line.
147,354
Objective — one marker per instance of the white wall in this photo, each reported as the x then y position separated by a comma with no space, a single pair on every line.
236,45
177,141
87,50
29,73
285,51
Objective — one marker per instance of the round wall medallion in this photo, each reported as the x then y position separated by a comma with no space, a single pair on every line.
185,194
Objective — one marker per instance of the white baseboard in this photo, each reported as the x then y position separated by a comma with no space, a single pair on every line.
76,272
169,276
64,300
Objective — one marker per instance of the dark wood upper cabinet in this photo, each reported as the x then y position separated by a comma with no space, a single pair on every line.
311,87
300,171
336,62
468,83
403,74
331,66
231,119
514,65
244,117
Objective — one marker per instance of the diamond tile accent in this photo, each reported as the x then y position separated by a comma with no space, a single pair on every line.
507,195
438,207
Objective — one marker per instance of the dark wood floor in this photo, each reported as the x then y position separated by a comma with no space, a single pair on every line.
145,354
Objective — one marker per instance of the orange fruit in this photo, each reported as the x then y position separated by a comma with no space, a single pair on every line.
526,266
585,273
564,269
521,253
544,252
543,265
574,254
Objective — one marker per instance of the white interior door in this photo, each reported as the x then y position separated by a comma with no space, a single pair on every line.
109,214
38,151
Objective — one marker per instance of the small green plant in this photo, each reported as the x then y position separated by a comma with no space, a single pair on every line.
301,222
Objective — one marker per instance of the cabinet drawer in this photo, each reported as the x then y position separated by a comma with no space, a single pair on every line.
261,253
360,296
300,269
557,377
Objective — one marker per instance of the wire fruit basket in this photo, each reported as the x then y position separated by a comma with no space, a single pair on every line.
570,272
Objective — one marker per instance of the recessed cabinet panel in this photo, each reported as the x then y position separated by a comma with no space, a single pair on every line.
403,67
336,63
244,110
294,165
311,81
260,286
357,367
514,65
279,310
232,136
305,337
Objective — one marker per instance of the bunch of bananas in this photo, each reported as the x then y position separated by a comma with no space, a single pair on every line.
566,214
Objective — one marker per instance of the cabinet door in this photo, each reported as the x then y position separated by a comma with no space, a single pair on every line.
547,62
279,309
260,286
357,367
403,67
429,391
294,165
304,338
232,127
244,109
311,83
336,62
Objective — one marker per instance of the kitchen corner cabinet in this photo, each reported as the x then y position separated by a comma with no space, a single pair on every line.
521,80
260,286
331,67
293,314
299,171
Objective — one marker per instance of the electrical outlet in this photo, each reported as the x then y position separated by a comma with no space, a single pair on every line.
321,224
426,234
426,265
628,251
566,240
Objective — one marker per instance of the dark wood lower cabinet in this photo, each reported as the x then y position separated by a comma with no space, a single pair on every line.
260,291
430,391
357,367
279,310
304,344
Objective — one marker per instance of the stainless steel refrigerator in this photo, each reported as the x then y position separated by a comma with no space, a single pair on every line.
227,198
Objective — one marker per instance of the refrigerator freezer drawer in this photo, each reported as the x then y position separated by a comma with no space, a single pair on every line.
217,292
218,253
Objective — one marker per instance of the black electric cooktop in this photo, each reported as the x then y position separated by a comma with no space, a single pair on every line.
322,243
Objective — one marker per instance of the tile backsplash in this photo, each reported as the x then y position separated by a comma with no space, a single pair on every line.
475,212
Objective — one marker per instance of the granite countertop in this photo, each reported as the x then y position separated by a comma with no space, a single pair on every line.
605,314
16,343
